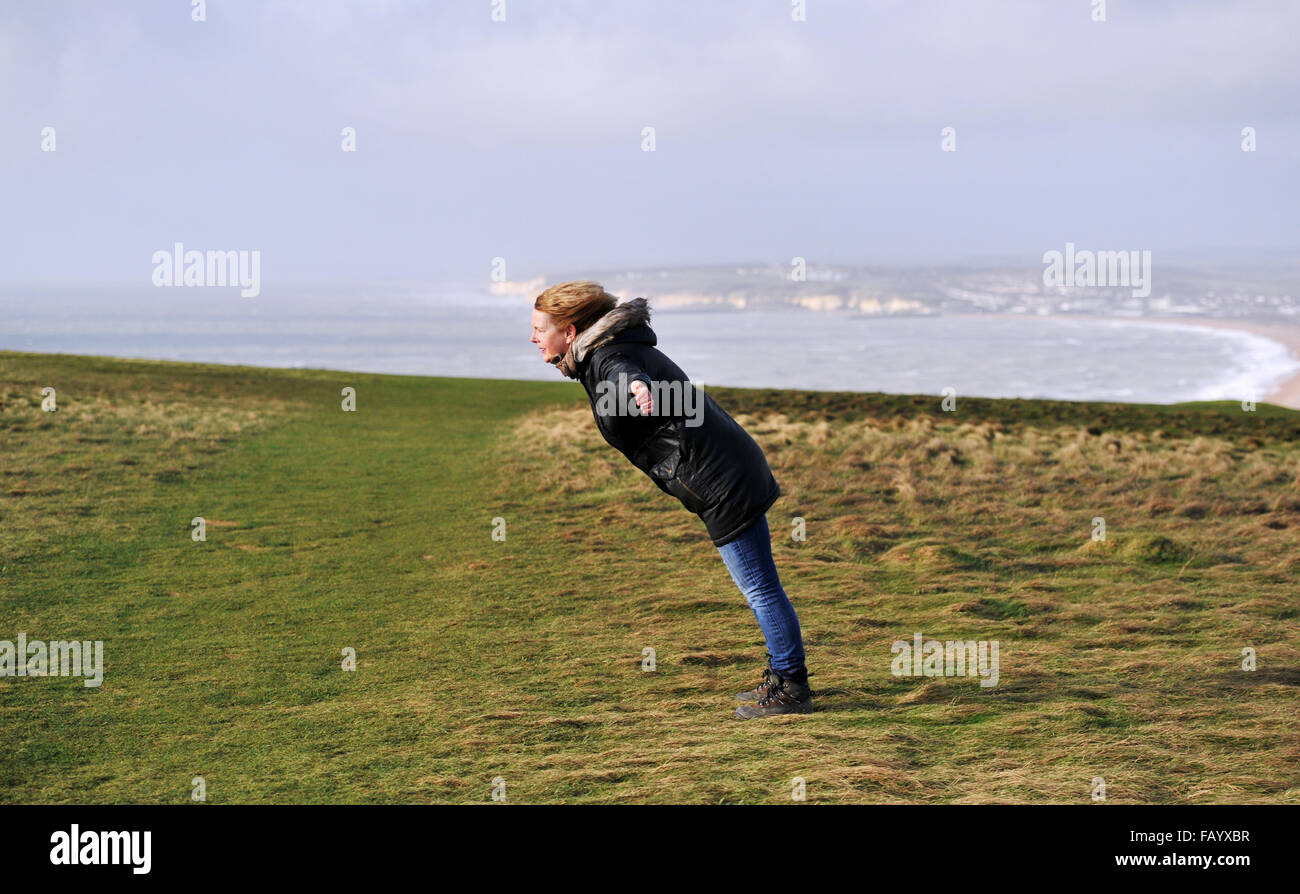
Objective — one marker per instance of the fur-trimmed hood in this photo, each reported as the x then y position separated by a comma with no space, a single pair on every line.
620,318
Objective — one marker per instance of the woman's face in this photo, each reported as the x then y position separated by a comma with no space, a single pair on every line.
550,339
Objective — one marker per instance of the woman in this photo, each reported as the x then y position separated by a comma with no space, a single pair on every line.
704,459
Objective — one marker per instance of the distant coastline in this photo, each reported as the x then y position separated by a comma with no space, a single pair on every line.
1070,355
1286,394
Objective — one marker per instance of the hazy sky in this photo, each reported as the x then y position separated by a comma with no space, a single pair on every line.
522,138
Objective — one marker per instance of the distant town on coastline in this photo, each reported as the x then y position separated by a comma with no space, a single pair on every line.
1236,291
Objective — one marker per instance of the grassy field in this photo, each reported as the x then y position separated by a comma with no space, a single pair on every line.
522,659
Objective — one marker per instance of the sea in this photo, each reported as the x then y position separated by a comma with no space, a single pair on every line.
459,330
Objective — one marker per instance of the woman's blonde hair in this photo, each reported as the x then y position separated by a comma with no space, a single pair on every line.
581,303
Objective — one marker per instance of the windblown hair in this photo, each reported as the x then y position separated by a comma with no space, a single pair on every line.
581,303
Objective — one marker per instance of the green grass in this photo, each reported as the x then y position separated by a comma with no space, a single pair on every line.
521,658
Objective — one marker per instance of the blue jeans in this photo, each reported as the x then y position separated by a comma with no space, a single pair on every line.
749,559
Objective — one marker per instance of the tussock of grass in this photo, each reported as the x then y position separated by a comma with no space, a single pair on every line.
1154,548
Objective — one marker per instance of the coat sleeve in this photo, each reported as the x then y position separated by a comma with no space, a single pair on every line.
615,363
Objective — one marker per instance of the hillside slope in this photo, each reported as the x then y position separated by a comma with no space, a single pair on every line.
522,658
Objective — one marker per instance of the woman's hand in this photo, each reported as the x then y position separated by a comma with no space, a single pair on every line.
644,402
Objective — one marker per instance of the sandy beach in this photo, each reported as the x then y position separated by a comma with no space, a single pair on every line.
1287,393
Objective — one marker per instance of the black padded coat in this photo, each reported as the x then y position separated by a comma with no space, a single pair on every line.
715,469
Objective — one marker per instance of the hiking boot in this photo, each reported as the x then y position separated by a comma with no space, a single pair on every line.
758,691
783,696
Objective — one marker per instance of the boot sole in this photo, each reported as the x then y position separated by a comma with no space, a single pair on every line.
802,708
